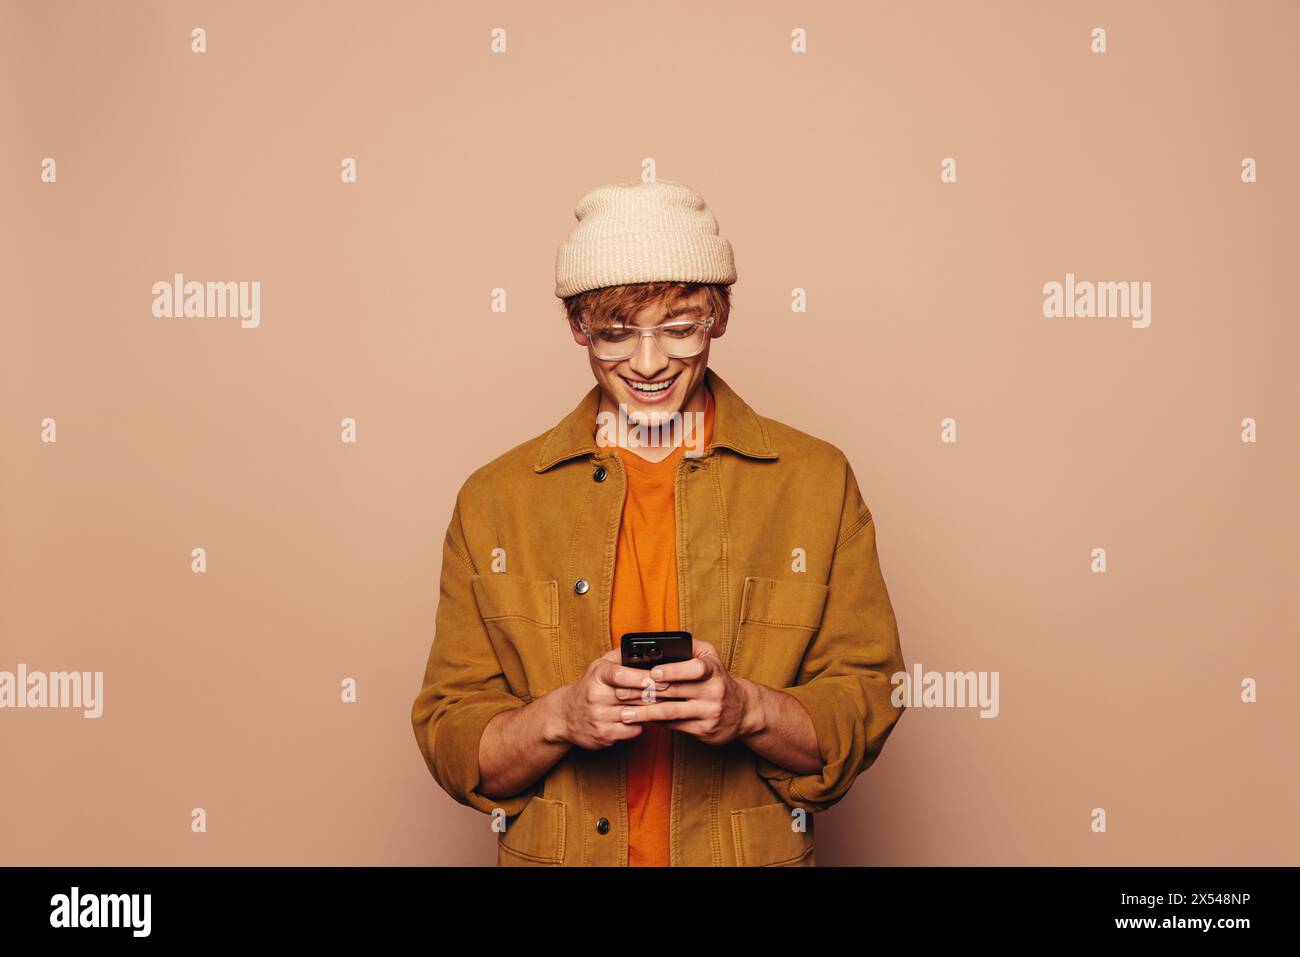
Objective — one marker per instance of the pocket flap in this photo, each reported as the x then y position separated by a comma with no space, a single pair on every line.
537,835
783,604
509,596
764,836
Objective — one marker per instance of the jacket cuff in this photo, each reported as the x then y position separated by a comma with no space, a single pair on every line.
836,715
456,746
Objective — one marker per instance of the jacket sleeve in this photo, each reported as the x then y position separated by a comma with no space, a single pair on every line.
464,687
844,682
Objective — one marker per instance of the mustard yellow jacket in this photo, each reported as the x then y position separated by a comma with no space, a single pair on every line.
777,567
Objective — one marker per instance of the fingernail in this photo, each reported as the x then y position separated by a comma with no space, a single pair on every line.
657,673
629,714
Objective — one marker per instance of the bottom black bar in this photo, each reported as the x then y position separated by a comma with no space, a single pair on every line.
865,907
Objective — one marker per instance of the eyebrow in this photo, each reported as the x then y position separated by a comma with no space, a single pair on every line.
689,310
669,316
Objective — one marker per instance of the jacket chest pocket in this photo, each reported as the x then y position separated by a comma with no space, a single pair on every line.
778,620
522,618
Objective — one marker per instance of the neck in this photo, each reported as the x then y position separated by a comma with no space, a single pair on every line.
658,443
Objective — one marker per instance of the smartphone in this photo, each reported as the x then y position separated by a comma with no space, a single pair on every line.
645,649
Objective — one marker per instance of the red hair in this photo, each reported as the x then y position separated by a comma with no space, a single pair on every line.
610,304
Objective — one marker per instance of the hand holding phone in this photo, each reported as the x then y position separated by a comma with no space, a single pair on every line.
646,649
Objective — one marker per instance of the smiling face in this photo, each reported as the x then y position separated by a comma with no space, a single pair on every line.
649,381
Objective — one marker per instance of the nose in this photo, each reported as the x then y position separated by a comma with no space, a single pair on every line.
649,360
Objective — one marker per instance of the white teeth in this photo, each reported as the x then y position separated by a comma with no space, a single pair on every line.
650,388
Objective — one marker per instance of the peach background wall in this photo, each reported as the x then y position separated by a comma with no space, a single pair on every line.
1120,691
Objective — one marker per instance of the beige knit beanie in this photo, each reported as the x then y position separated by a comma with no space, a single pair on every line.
642,232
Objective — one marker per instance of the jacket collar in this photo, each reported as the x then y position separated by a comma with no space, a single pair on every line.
735,426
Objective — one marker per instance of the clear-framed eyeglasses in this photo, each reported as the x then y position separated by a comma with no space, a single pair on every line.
676,338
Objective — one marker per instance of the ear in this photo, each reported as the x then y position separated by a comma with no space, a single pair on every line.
579,336
719,327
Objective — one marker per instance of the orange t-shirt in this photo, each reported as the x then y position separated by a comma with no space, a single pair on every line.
645,599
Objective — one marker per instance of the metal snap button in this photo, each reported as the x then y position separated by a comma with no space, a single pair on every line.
599,474
602,826
581,586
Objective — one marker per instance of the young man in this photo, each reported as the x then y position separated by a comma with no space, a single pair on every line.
749,534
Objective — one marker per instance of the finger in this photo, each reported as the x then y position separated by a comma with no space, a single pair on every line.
670,691
685,689
651,696
665,711
692,670
692,727
637,678
611,672
700,648
603,715
622,730
651,693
